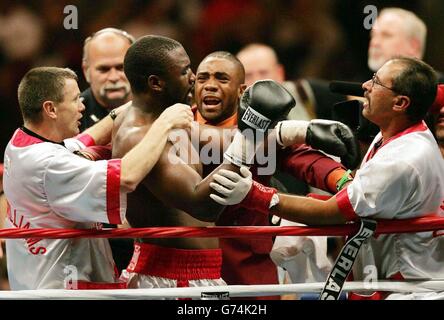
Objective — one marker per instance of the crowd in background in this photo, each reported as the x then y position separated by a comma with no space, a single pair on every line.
313,38
322,39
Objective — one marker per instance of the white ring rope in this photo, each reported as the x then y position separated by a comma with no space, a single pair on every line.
429,286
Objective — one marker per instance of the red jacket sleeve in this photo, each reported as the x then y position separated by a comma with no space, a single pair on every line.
308,164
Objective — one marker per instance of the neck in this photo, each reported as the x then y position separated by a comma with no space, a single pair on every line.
441,148
45,130
393,128
148,105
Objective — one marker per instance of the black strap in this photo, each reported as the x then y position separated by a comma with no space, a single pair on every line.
35,135
344,263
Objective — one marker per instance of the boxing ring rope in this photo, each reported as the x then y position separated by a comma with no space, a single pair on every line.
384,227
429,223
431,287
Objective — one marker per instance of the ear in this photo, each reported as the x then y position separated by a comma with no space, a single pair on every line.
155,83
401,103
49,109
86,69
242,88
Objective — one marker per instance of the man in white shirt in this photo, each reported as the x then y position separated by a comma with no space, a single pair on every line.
48,186
401,177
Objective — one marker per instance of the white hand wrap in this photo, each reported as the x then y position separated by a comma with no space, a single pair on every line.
291,132
241,151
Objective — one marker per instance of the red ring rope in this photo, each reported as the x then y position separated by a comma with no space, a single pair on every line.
384,226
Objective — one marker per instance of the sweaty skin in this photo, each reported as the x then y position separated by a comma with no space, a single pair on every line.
169,190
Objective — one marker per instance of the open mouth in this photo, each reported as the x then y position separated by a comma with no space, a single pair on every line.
365,104
211,102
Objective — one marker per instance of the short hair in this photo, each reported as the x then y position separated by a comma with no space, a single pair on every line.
230,57
418,81
414,26
116,31
149,55
40,85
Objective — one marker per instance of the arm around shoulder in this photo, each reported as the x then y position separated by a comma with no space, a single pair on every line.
139,161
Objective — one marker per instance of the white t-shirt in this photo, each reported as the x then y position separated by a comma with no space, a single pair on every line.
303,257
47,186
403,179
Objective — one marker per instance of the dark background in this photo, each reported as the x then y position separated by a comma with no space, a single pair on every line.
313,38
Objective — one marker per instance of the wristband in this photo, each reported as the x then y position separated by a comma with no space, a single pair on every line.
260,198
345,178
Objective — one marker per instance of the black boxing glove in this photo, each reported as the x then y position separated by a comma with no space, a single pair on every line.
332,137
336,139
261,106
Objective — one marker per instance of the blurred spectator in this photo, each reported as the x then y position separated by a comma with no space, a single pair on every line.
396,32
308,255
261,62
102,65
21,34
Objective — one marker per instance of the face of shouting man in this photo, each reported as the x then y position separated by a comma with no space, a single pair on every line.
219,85
69,111
380,94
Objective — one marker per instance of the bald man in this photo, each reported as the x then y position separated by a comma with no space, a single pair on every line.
102,65
261,62
396,32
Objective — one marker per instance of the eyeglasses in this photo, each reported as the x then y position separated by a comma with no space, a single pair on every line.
377,81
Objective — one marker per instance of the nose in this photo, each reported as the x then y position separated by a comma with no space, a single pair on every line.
81,106
114,75
374,41
211,84
367,86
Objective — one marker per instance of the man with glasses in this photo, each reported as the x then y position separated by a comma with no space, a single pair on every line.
102,64
401,177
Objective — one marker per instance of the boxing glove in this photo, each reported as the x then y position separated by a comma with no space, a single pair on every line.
336,139
332,137
261,106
